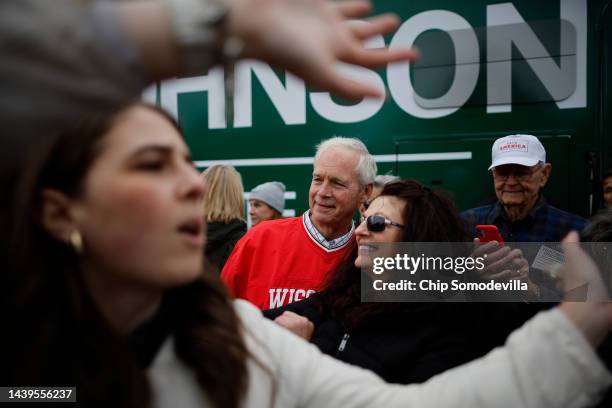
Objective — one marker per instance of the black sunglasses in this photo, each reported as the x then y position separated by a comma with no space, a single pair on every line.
378,223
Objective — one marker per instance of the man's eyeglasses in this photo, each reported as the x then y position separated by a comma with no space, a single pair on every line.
520,173
378,223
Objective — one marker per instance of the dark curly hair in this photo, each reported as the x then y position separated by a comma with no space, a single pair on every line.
429,216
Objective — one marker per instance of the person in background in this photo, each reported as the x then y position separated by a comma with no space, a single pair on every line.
379,184
284,261
267,202
401,342
223,207
598,228
521,213
108,235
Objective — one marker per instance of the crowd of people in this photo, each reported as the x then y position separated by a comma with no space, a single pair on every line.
114,241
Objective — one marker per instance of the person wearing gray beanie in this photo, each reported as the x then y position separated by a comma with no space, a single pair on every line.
267,202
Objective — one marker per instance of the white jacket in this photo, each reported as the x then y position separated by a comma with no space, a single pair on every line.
546,363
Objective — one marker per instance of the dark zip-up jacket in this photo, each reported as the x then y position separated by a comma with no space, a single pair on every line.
221,239
409,345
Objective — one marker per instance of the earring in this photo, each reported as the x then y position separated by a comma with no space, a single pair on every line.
76,240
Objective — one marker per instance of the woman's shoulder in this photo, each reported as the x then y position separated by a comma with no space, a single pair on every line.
173,383
254,324
246,311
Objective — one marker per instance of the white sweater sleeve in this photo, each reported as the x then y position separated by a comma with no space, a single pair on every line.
546,363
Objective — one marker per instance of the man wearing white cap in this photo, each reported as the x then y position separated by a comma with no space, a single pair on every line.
519,171
521,213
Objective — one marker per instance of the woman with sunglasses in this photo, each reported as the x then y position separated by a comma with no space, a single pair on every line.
401,342
103,290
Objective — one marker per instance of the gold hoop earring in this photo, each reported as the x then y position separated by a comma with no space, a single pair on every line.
76,240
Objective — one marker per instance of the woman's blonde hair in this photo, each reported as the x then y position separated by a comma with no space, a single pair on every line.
224,198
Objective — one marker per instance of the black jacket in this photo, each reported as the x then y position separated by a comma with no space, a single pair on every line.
409,345
221,238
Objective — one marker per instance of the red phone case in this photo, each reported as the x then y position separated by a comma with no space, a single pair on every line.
488,233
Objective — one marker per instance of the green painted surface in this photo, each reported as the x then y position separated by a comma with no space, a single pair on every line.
568,134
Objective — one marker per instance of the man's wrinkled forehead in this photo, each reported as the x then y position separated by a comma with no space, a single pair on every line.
340,165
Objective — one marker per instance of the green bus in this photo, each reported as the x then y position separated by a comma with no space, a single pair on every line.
487,69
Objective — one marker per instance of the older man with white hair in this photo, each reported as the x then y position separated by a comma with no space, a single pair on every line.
521,213
283,261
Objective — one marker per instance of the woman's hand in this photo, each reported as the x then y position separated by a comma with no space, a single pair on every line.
296,324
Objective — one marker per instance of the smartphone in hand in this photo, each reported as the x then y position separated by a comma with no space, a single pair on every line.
488,233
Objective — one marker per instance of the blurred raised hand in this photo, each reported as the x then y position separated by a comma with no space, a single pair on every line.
308,38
